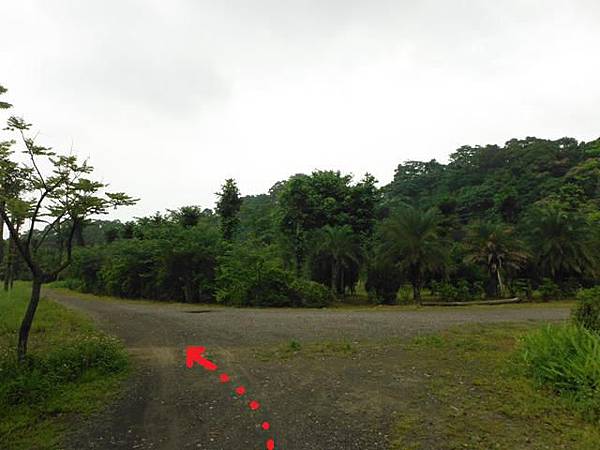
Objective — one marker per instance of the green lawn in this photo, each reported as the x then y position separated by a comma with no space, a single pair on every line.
477,398
72,370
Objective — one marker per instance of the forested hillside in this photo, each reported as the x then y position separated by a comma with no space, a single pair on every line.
521,219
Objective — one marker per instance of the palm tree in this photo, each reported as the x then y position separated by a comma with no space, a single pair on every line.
494,246
561,242
412,240
341,246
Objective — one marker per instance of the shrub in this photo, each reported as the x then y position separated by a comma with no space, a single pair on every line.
40,376
566,359
459,292
383,281
310,294
549,290
587,310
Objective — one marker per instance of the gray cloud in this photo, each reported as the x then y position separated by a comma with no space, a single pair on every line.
169,98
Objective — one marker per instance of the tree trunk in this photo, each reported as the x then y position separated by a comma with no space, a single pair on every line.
8,264
79,241
188,291
36,289
2,205
333,275
493,284
342,282
416,292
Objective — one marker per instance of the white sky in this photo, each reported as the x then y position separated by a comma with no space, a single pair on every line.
169,98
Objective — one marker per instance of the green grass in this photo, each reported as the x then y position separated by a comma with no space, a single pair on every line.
71,370
319,349
566,360
476,396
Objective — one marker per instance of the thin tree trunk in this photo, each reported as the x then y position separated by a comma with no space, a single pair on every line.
333,275
8,264
36,289
417,292
188,294
342,282
2,206
79,241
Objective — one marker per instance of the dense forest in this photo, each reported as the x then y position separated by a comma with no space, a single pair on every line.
496,221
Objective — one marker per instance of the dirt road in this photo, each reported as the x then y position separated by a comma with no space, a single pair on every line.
341,397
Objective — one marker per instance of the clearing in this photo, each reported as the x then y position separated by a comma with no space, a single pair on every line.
376,378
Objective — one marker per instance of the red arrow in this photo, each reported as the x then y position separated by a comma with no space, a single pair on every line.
194,355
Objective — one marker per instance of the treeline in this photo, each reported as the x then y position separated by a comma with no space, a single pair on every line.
495,221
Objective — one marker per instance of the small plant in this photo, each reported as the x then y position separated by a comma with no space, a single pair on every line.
549,290
587,310
295,346
405,294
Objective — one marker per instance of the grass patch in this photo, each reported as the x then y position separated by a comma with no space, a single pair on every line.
477,397
566,360
321,349
71,369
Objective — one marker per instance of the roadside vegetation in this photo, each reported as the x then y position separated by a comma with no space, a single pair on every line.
485,389
70,371
496,222
508,387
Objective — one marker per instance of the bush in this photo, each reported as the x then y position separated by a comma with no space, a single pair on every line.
383,281
549,290
36,379
310,294
587,310
566,359
458,292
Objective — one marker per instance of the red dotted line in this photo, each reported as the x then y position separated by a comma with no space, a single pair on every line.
254,405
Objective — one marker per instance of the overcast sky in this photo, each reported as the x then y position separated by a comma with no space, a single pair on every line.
169,98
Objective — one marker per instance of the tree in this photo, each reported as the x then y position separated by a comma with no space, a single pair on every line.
59,198
562,243
4,148
187,216
494,246
310,202
340,245
228,208
411,239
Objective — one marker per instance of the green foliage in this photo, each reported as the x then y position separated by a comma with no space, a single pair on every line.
310,294
324,198
4,105
171,259
561,241
412,240
549,290
250,274
340,248
460,291
494,246
587,310
566,359
71,369
228,208
35,381
383,280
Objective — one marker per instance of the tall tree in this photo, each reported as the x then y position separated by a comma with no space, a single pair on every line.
4,147
412,240
228,208
495,246
562,243
340,245
60,197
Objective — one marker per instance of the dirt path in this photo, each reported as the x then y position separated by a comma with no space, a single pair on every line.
332,400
